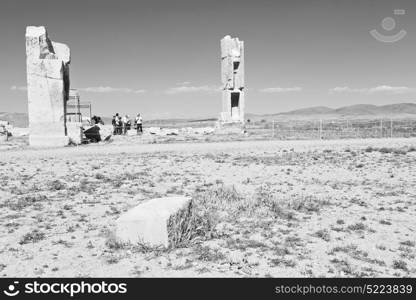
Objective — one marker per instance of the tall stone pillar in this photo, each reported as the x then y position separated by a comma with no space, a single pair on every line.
47,87
232,76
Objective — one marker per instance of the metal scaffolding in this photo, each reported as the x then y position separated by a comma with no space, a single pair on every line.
75,108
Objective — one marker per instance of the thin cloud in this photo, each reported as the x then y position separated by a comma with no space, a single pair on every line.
373,90
184,83
281,90
108,89
191,89
391,89
18,88
93,89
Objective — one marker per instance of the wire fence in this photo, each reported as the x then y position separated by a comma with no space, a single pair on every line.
335,129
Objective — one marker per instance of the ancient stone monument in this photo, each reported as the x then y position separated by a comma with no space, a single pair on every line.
232,75
47,87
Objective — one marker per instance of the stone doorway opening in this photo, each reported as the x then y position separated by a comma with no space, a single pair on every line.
235,100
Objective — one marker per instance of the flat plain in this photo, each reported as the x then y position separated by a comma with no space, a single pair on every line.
280,208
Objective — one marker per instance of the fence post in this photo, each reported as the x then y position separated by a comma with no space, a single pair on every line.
320,129
391,128
272,128
358,130
381,128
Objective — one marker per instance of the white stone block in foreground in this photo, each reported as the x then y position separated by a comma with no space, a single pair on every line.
147,223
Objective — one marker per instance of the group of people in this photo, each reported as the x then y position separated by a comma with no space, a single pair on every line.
123,124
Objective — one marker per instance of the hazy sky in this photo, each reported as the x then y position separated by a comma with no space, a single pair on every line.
162,58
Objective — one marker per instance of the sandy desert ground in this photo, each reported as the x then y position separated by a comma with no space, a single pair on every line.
283,208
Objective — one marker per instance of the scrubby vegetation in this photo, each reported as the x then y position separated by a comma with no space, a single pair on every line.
269,210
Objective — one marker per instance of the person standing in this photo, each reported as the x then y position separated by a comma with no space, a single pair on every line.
113,122
128,123
125,119
118,124
139,123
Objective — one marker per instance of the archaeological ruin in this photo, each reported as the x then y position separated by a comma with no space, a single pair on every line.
232,75
47,87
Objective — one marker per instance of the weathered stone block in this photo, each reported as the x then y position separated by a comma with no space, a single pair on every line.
74,132
147,223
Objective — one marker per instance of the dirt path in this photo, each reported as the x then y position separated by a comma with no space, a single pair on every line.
299,145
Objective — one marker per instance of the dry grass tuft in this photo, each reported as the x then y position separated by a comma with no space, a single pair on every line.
208,208
56,185
32,237
221,199
285,207
222,203
400,265
24,201
190,225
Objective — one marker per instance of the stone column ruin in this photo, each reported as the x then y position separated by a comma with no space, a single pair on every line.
232,75
47,88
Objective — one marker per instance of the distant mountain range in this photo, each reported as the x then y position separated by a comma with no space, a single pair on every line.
400,110
359,109
352,111
16,119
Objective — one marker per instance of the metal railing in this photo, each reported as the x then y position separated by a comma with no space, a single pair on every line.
335,128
